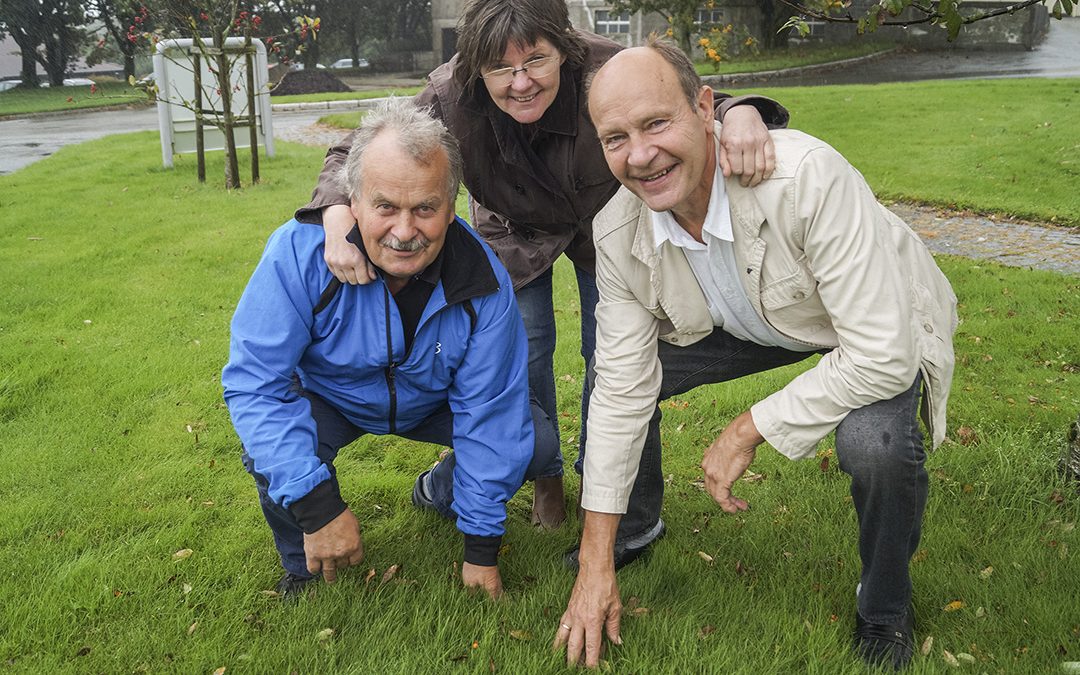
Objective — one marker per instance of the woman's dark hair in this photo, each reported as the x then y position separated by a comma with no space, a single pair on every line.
487,27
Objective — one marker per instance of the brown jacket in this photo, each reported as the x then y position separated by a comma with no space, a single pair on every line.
534,190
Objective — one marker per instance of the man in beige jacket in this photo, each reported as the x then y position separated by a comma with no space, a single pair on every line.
702,280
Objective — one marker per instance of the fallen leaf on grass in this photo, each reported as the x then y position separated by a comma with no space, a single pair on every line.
220,671
639,611
83,652
192,627
824,465
705,556
186,588
965,657
980,613
752,477
632,602
949,658
369,576
325,635
182,553
1056,497
522,635
389,573
953,606
985,573
271,594
927,645
965,435
706,631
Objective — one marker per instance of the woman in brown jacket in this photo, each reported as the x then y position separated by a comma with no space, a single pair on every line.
514,97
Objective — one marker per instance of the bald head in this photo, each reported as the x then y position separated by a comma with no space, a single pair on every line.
656,127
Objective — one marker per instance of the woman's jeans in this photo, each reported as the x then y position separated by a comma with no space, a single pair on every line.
335,432
537,310
879,446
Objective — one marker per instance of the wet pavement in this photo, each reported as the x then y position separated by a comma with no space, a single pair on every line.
1057,56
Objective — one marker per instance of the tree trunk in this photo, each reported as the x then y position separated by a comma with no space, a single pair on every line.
232,166
682,27
28,73
129,66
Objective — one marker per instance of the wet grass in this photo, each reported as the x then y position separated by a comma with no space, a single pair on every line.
346,95
108,92
992,146
118,453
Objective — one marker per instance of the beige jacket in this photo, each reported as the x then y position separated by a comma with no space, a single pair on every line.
825,263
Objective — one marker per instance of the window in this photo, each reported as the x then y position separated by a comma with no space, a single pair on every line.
608,23
708,17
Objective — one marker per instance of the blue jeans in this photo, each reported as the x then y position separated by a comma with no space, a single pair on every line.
879,446
335,432
538,312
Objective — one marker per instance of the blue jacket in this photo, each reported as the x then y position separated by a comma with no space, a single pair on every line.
352,354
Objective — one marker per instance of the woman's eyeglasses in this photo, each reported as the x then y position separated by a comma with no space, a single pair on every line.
541,66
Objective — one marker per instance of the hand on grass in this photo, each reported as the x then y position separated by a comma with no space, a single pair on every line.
481,576
728,458
746,148
343,259
594,608
336,545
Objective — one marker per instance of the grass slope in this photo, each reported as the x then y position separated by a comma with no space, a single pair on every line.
996,146
117,283
52,99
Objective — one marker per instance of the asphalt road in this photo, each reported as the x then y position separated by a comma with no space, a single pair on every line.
28,139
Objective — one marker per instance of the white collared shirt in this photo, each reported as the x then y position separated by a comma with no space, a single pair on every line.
715,268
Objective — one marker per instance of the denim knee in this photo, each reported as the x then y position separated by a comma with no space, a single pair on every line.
547,456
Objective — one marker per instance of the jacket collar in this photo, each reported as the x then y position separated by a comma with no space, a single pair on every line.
462,265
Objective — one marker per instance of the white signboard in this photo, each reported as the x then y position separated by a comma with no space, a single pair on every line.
174,73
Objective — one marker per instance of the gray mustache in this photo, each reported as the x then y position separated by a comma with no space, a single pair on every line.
415,244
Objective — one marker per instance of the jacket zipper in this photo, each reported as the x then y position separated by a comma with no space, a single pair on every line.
390,386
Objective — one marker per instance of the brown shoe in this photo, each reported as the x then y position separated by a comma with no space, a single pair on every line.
549,503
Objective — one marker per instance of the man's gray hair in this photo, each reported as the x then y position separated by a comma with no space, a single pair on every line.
418,134
689,80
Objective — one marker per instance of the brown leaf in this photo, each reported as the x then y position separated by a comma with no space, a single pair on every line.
639,611
632,602
705,556
706,631
491,665
824,465
949,658
752,477
740,568
371,575
986,572
389,573
1056,497
182,553
220,671
965,435
522,635
927,645
271,594
920,555
953,606
192,627
83,652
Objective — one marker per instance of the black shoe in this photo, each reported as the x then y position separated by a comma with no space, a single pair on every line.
421,493
290,586
626,551
885,645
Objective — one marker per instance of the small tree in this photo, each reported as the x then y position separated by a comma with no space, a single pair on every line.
124,21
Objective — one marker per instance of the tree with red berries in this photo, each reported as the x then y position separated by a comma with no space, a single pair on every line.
124,21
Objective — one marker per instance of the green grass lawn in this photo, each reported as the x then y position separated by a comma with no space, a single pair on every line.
117,282
792,57
998,146
50,99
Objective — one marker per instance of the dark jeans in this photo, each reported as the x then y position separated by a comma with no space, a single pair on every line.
879,446
335,432
538,313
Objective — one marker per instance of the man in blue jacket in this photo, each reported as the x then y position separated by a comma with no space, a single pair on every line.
433,351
